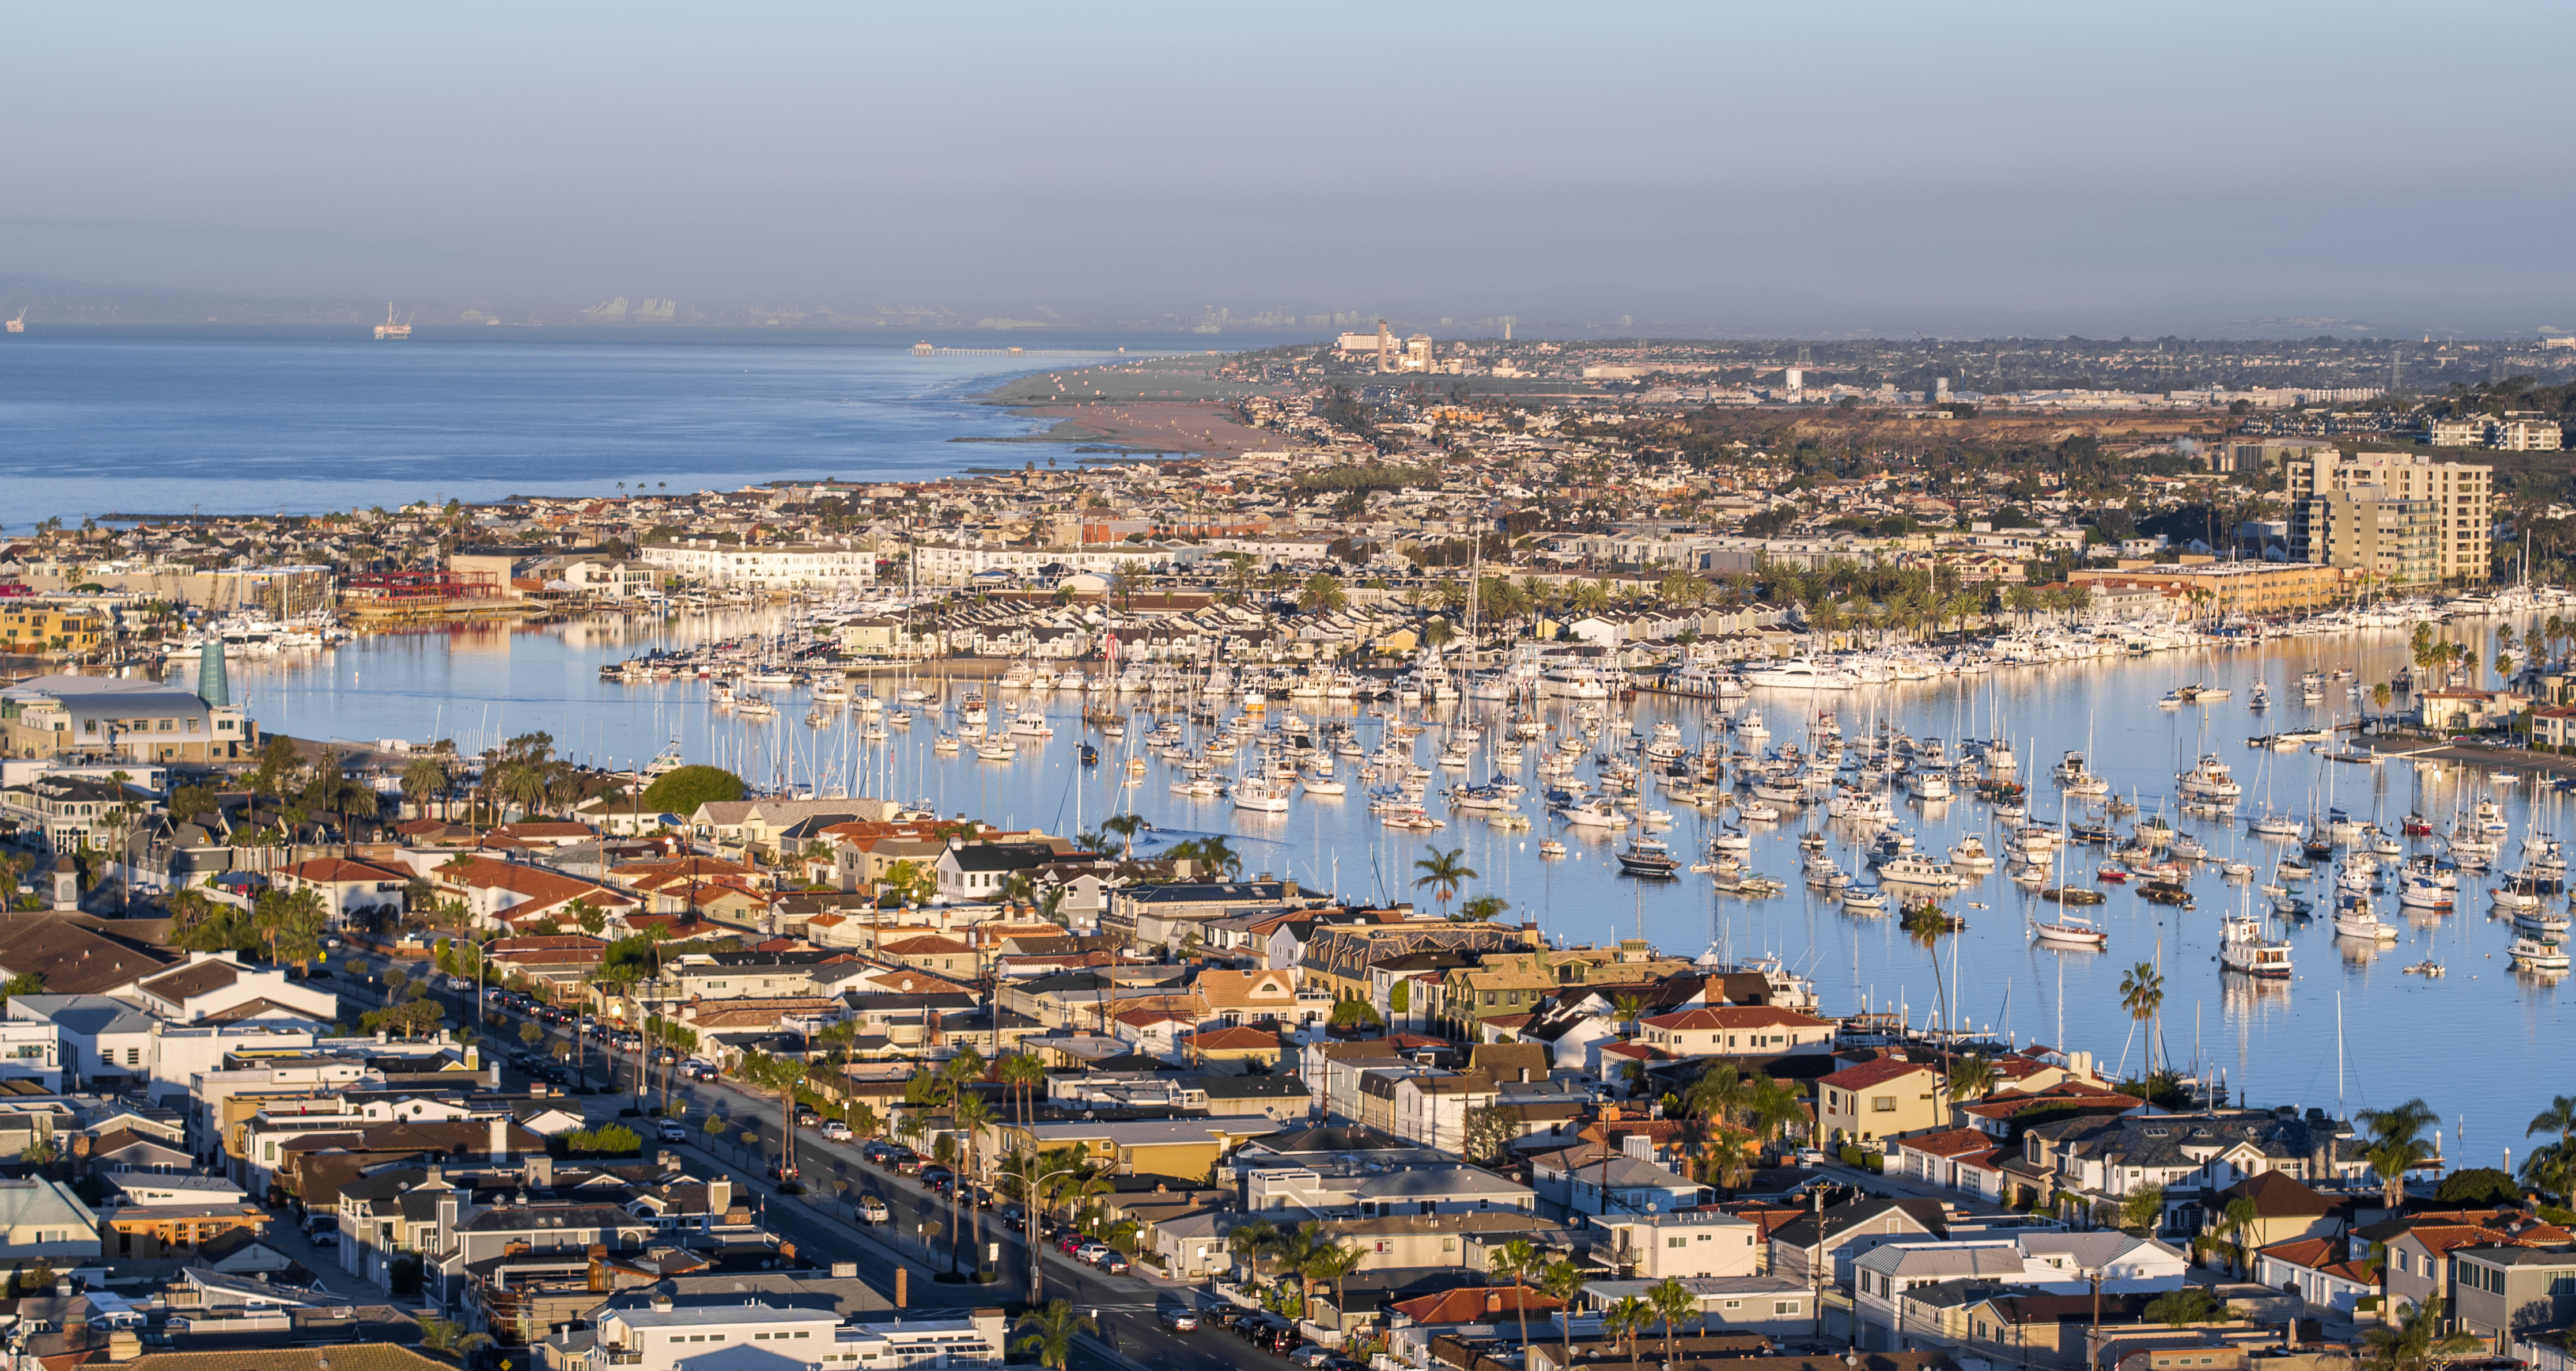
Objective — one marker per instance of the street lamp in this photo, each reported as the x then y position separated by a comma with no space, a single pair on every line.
1029,1224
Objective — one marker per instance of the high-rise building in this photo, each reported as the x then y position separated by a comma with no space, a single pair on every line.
2462,496
2393,539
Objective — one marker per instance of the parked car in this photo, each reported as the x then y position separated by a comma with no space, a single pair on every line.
782,1172
838,1131
1091,1252
1114,1264
672,1132
807,1118
1808,1156
1180,1321
873,1210
1310,1357
908,1163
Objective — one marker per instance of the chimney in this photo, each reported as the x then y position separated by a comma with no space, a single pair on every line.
1493,1301
123,1345
662,1304
498,1148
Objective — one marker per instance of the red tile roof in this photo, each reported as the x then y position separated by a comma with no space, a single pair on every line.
1471,1305
1866,1074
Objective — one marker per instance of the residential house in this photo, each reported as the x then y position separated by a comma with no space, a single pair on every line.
1736,1031
2321,1271
1879,1098
1692,1243
1843,1233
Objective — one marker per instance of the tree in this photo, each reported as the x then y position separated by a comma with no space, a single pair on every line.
2142,1210
1124,827
1673,1302
1323,594
1490,1132
2416,1342
1563,1281
681,790
1021,1074
1523,1261
1051,1332
1349,1014
1443,874
1250,1242
1971,1077
2477,1185
1295,1250
2397,1145
1483,909
1625,1319
2558,1118
2187,1305
2142,994
1332,1265
2237,1220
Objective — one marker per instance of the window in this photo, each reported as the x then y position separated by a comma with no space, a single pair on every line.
1676,1242
1882,1104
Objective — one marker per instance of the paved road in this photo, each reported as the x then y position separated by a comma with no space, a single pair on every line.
824,1224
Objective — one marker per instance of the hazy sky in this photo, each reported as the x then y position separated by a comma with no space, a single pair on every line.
2042,168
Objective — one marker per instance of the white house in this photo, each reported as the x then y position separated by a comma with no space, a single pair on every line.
1690,1244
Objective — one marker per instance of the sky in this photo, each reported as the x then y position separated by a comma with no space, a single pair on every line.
1978,167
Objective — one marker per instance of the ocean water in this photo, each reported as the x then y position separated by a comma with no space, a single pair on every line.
148,421
2484,1045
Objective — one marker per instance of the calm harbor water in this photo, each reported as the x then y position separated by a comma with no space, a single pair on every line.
2483,1045
167,421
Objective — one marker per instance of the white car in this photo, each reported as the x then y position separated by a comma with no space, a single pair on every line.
1808,1156
837,1131
873,1210
1091,1252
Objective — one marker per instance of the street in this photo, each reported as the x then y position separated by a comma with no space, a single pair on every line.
823,1223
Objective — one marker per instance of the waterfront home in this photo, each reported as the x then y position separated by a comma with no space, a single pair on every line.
2191,1157
1731,1031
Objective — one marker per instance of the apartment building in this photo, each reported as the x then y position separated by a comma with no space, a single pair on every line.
2393,540
2462,495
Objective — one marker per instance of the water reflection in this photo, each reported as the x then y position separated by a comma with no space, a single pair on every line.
2480,1040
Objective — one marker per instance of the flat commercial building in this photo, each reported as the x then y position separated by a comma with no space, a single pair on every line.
2462,494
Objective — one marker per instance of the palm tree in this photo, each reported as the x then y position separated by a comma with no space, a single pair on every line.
1627,1317
1562,1281
972,1116
1322,594
2417,1341
1521,1260
1627,1009
1020,1073
1052,1331
1333,1265
1972,1077
1296,1249
2560,1116
1483,909
1250,1241
424,777
1124,826
1673,1302
1443,872
2142,994
2397,1145
2237,1220
1926,924
1714,1100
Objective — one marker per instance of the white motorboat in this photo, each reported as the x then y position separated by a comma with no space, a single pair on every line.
2538,954
2243,947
